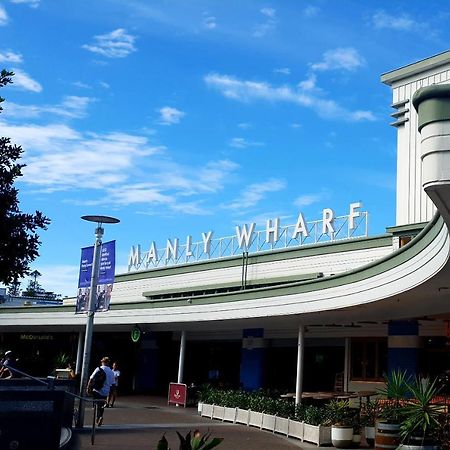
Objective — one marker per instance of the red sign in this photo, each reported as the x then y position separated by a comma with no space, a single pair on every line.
177,394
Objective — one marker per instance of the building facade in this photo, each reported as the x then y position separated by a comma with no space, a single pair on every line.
295,318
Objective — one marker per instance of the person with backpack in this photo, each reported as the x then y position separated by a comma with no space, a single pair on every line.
99,385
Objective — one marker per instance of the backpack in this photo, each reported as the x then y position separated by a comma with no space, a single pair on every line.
99,379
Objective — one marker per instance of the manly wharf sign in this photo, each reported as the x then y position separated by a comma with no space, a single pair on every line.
329,228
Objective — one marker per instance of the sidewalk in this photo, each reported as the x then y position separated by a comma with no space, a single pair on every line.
138,422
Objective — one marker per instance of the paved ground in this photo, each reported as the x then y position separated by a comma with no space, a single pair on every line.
137,423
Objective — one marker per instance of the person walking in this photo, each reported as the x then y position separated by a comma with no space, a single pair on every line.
8,361
99,385
113,391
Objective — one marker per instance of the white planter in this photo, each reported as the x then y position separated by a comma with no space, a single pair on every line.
268,422
207,410
242,416
281,425
316,434
229,414
218,412
342,436
296,429
255,419
369,433
199,408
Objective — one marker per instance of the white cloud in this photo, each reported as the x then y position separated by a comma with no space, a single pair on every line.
31,3
309,84
209,22
311,11
117,44
114,167
22,80
104,85
401,22
239,142
3,16
256,192
81,85
170,116
61,279
71,107
262,29
246,91
340,58
244,125
9,56
283,70
295,125
308,199
268,12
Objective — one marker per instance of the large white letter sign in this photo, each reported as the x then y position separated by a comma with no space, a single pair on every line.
207,241
353,214
272,231
245,235
152,255
188,246
300,227
135,257
172,249
328,219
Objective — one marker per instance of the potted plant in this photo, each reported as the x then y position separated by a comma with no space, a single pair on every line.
391,412
420,423
342,419
369,414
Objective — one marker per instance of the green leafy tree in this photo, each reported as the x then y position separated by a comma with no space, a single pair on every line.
19,241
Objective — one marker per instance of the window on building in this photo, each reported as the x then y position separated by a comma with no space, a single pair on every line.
368,359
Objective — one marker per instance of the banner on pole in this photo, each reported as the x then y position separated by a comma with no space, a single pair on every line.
105,278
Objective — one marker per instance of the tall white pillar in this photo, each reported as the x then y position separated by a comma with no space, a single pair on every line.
346,364
79,352
182,353
300,364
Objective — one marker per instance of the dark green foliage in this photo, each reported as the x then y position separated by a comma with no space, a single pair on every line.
192,441
19,241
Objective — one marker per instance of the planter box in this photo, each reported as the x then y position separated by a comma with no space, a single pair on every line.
268,422
207,410
296,429
317,434
218,412
282,425
229,415
242,416
255,419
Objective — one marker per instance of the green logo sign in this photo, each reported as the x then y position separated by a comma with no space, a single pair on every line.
135,334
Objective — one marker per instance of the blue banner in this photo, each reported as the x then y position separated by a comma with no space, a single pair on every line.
105,278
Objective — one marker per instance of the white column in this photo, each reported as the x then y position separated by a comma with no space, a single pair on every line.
182,353
79,352
300,364
346,364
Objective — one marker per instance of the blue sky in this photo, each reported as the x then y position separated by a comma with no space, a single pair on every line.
183,117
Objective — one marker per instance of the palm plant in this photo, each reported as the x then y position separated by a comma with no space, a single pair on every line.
192,441
421,416
395,390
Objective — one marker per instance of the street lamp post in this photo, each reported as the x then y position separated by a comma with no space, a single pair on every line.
100,220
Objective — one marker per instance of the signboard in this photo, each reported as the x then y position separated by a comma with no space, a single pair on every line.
135,334
248,238
177,394
105,278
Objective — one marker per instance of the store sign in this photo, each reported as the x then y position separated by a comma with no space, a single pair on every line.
105,277
177,394
136,334
248,239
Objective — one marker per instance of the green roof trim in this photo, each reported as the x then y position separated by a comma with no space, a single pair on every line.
406,229
255,258
432,104
415,246
415,68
